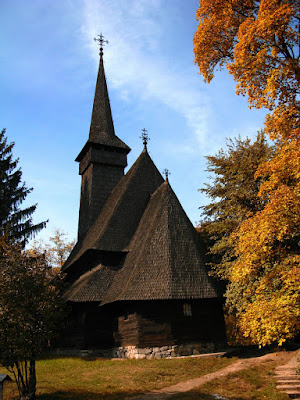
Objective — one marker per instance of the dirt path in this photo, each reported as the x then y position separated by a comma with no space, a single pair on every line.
185,386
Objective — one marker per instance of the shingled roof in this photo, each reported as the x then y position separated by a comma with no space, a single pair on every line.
165,259
91,286
102,132
121,214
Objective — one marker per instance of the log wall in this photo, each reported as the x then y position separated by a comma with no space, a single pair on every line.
163,323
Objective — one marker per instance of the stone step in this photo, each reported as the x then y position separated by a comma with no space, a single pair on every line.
291,392
292,387
287,380
285,368
286,373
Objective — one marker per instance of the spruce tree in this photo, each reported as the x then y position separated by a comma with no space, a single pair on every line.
15,223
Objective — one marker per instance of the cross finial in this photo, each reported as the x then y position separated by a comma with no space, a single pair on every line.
102,42
145,138
166,172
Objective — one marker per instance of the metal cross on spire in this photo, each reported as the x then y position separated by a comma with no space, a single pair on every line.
102,42
166,172
145,138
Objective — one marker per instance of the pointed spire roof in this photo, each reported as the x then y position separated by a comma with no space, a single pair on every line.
121,214
102,132
165,258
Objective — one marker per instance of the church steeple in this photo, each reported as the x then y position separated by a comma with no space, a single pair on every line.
103,157
102,131
101,115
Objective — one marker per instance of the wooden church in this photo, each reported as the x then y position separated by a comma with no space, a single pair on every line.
137,275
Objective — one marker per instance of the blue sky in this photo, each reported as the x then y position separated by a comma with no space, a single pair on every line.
49,64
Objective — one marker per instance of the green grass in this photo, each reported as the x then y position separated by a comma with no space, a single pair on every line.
67,378
256,383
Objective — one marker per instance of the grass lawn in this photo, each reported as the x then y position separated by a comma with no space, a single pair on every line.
256,383
70,378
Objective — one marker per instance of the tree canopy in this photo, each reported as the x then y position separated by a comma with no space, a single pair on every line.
15,222
232,192
259,42
56,251
31,313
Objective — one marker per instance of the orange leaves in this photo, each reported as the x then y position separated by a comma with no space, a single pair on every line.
265,65
215,37
284,123
267,250
259,42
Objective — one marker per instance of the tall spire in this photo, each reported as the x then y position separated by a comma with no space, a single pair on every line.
103,158
102,131
101,122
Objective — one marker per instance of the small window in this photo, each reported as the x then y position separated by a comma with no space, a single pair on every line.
187,310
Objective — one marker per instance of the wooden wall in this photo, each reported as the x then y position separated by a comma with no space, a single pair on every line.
144,324
161,323
89,326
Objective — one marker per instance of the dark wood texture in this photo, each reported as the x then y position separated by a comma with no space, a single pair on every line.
161,323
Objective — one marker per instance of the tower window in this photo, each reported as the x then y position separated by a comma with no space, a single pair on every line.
187,310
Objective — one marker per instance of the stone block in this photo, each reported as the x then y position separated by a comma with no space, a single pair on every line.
164,348
140,356
145,350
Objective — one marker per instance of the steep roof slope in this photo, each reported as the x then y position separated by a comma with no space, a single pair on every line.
165,260
91,286
121,214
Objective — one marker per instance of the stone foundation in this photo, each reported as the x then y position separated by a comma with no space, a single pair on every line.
133,352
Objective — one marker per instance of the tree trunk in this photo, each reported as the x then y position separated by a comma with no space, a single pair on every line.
29,390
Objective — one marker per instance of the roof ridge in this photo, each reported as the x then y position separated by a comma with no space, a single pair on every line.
111,206
141,249
157,265
129,178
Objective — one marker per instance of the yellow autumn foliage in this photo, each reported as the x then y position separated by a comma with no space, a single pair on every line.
259,43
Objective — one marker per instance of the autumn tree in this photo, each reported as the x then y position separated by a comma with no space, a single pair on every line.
15,222
259,43
232,192
56,251
31,312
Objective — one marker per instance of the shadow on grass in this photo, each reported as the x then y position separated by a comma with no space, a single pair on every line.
201,396
84,395
250,351
122,395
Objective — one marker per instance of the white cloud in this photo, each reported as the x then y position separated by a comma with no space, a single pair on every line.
136,64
